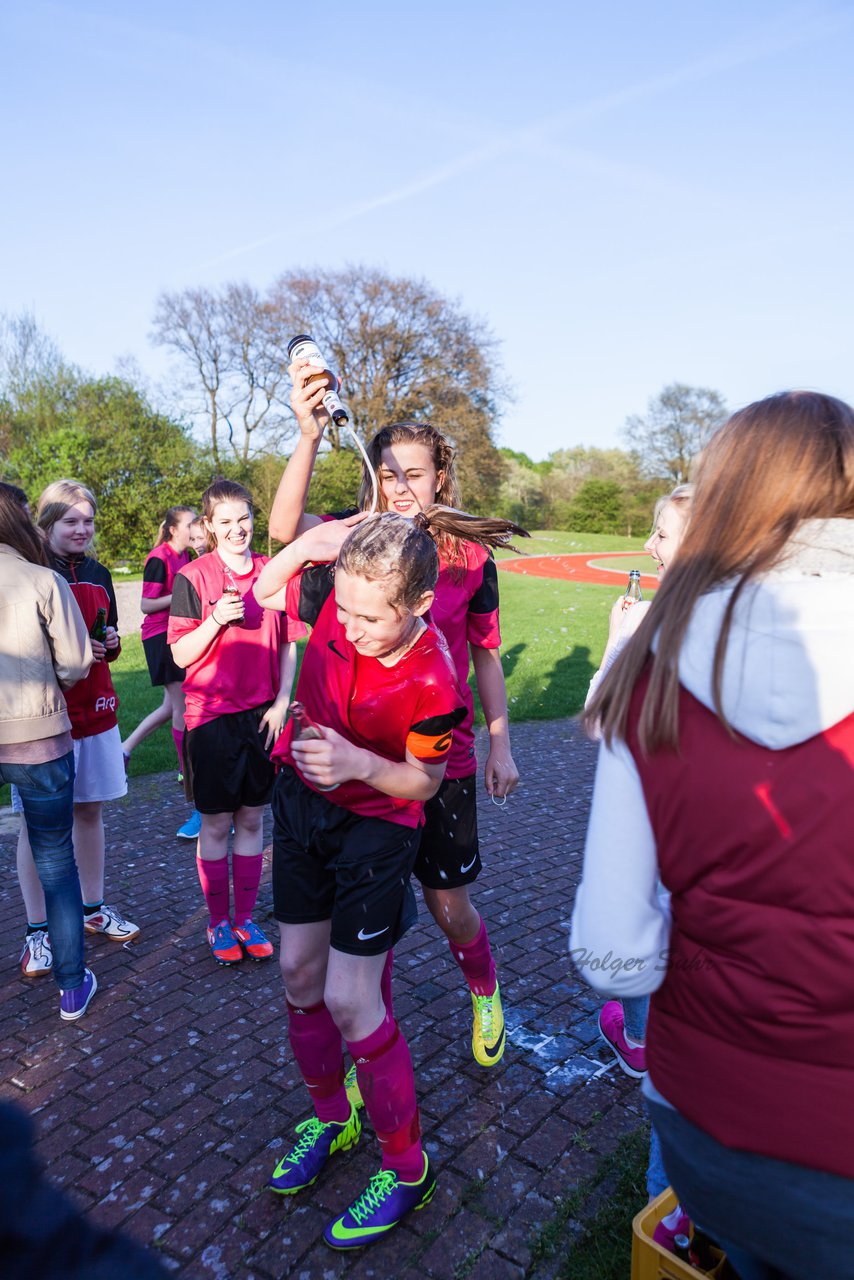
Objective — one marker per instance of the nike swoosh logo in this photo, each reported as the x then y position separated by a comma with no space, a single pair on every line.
342,656
469,865
496,1048
339,1232
365,937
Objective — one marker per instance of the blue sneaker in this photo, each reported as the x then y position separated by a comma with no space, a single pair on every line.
191,828
317,1142
73,1004
380,1207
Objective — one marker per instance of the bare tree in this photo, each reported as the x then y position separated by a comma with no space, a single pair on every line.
258,366
679,422
27,355
402,350
191,324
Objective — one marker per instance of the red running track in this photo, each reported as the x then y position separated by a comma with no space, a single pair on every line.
580,568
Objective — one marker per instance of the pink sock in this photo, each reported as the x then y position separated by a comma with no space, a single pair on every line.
475,960
387,1084
316,1042
246,877
213,876
178,739
385,983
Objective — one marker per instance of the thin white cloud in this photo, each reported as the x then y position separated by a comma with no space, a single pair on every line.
786,33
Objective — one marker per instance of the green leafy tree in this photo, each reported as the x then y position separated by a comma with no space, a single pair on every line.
598,507
103,432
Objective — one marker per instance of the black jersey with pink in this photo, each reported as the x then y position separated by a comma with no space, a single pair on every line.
466,612
92,702
158,576
240,668
412,706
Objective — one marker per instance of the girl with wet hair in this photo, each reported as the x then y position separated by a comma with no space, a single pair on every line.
725,772
379,690
414,465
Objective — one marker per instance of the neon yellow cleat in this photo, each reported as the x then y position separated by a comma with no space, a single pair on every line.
487,1035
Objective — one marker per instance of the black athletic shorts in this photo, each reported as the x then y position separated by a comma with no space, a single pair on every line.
161,666
331,864
449,855
226,765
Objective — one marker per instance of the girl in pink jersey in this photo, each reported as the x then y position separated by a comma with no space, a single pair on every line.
415,468
381,688
239,660
169,554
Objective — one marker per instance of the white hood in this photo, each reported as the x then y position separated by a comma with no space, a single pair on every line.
789,669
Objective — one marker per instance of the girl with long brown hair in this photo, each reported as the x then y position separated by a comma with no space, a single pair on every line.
44,651
727,771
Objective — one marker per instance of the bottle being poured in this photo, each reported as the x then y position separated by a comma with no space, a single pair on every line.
303,347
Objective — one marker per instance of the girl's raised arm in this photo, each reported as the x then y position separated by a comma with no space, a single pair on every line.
287,516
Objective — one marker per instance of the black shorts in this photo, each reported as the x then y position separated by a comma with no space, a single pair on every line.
449,855
331,864
161,666
226,765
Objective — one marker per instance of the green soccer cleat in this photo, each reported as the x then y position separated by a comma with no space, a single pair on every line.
354,1093
487,1036
378,1210
316,1143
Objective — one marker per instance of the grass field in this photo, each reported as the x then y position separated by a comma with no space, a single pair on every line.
553,635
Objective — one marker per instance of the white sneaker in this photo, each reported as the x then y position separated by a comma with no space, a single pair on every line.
112,924
36,957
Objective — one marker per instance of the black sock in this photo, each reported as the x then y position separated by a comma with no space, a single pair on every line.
92,908
41,927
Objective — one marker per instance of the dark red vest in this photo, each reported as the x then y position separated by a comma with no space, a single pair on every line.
751,1035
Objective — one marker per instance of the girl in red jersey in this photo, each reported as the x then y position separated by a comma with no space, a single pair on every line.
66,515
240,661
169,554
348,806
414,464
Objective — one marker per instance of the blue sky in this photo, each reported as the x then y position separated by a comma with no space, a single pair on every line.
629,195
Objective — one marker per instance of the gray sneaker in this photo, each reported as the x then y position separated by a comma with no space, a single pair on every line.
36,957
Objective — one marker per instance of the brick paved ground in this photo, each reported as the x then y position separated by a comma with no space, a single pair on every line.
165,1108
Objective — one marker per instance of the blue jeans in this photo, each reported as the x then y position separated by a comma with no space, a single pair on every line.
775,1220
47,794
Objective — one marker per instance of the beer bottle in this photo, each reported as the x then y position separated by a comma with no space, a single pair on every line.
633,590
98,629
304,727
681,1247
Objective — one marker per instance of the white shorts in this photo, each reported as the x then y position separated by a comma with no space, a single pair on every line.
99,770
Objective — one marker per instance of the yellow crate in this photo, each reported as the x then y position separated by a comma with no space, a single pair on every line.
649,1260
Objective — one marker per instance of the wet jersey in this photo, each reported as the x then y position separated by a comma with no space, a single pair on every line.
466,612
412,706
92,702
240,668
158,576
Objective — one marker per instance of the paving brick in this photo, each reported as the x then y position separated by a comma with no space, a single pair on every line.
516,1240
165,1109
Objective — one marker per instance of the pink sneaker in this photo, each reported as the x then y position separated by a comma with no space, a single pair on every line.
672,1225
632,1059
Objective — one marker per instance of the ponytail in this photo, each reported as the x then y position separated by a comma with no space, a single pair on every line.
390,547
170,522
